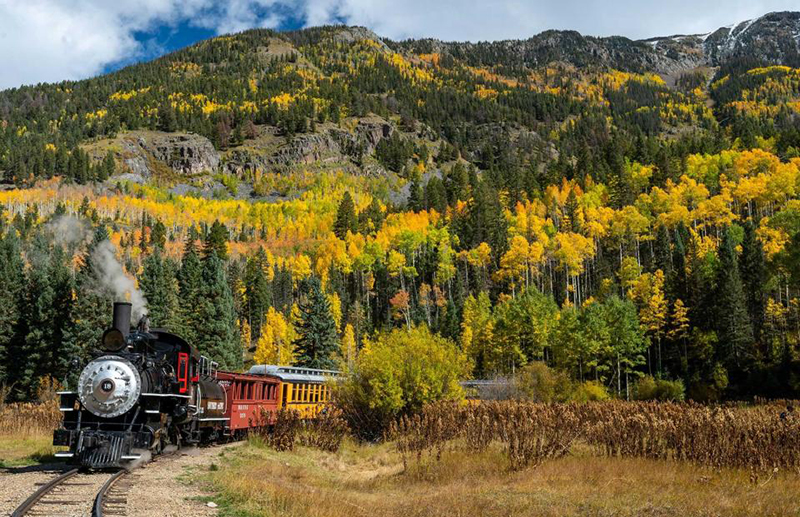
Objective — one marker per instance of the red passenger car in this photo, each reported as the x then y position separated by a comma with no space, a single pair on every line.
250,400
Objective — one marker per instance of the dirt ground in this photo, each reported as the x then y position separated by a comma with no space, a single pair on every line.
163,488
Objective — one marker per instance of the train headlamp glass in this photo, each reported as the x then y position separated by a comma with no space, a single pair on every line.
113,340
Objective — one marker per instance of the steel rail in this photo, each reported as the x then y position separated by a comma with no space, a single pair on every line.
43,490
100,500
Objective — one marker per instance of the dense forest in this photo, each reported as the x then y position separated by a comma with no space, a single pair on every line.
610,224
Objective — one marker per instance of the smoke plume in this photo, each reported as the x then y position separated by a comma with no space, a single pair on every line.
113,279
69,231
72,233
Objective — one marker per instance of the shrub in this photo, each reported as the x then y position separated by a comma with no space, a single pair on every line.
648,388
590,391
325,432
539,383
280,436
398,374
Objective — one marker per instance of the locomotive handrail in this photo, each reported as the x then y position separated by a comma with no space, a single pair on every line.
178,395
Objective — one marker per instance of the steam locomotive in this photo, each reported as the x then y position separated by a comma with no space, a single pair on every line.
148,389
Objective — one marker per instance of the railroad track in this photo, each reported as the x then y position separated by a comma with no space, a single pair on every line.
112,498
74,494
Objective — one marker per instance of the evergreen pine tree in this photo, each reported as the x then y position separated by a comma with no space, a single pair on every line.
107,168
435,195
160,289
571,208
46,309
318,342
189,283
677,282
257,290
158,235
217,241
732,321
346,220
371,219
416,196
12,289
662,251
167,121
60,353
754,276
217,332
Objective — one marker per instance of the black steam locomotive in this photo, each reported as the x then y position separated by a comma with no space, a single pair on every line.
143,391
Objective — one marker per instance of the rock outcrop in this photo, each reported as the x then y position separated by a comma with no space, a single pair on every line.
330,144
772,38
182,152
141,154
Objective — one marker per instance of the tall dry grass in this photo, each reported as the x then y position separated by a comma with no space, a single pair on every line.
325,432
761,438
29,419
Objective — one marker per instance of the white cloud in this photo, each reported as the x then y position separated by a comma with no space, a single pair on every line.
506,19
52,40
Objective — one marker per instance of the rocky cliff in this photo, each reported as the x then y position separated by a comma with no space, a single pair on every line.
772,38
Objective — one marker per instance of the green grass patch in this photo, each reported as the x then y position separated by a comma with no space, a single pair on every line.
29,450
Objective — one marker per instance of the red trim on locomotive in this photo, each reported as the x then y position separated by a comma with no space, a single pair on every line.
183,372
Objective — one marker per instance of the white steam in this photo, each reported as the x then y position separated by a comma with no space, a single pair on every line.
112,278
69,231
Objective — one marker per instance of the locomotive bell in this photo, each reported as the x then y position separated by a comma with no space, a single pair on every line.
109,386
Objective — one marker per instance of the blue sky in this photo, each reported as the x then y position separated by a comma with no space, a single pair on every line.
54,40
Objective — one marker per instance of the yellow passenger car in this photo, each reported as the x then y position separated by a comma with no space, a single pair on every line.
305,390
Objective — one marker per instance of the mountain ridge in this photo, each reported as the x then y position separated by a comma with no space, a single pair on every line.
261,99
773,37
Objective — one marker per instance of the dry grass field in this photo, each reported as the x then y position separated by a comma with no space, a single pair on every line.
521,459
370,481
26,432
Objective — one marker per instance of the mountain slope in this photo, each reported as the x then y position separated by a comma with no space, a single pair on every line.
328,96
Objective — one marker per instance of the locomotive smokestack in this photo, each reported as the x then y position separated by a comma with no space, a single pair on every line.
122,317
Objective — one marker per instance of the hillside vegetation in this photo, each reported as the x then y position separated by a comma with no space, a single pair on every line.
293,197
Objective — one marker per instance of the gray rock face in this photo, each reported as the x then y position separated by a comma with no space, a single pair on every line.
144,151
773,38
332,145
183,153
372,131
353,34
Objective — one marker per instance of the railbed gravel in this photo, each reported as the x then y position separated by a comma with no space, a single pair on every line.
167,487
17,483
73,498
163,488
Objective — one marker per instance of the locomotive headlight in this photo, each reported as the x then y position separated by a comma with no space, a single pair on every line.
109,386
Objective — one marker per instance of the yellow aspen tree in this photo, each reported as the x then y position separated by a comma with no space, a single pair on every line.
514,263
336,310
349,350
654,313
246,336
680,325
265,348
